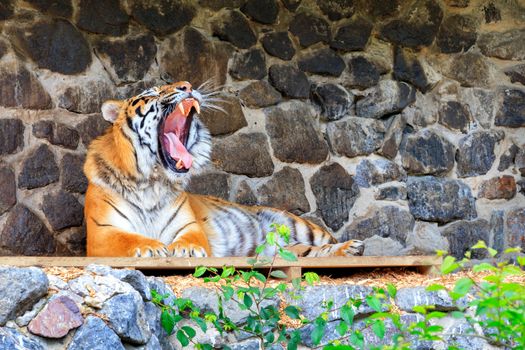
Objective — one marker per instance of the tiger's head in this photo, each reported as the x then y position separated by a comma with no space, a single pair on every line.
162,126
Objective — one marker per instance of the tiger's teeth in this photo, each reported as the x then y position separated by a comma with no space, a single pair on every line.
197,107
179,164
181,108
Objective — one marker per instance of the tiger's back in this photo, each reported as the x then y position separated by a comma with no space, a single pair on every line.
136,204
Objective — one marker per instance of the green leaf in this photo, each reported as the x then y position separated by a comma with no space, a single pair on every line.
462,287
247,301
347,314
512,250
227,271
435,288
260,249
296,283
318,331
483,267
342,328
227,291
287,255
199,271
492,252
292,312
479,245
373,302
167,321
190,332
311,278
357,339
182,338
270,238
204,347
278,274
201,323
391,289
449,264
379,328
259,276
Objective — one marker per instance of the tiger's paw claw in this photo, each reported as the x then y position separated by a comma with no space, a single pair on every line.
352,248
187,250
152,250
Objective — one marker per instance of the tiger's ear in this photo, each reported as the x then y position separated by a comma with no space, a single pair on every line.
111,110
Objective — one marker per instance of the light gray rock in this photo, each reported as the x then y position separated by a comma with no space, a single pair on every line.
427,153
386,98
12,339
134,278
507,45
407,298
97,289
481,104
391,193
426,239
464,234
95,335
382,246
127,317
378,171
355,136
393,137
20,289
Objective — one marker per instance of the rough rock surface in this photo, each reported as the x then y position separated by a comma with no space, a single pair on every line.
288,80
165,16
211,184
27,93
464,234
62,210
362,74
7,189
309,29
355,137
59,316
95,335
11,136
408,298
352,36
227,122
440,200
39,169
259,94
56,133
516,224
322,62
386,98
232,26
249,65
512,112
503,187
475,154
378,171
334,101
278,44
285,191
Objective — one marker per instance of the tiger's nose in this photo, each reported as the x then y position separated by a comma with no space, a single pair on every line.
184,86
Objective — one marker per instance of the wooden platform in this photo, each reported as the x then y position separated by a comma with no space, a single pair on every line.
426,264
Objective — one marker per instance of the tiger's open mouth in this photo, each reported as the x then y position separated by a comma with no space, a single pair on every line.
173,135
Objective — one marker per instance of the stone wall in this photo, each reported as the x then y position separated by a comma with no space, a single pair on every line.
102,308
397,122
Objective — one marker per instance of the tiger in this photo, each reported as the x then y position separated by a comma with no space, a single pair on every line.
136,203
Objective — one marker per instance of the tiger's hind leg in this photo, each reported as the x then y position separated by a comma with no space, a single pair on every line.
348,248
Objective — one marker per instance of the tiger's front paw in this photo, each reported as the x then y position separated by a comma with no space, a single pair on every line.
151,249
351,248
187,250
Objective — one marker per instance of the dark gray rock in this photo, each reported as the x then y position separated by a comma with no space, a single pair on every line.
11,136
157,284
219,4
127,59
378,9
91,128
464,234
458,332
291,5
20,288
378,171
337,9
492,13
458,3
407,298
232,26
211,184
72,174
248,344
127,317
56,133
502,187
516,226
25,234
497,229
6,10
440,200
471,69
507,45
386,98
245,195
86,98
27,92
55,45
245,154
249,65
285,190
164,16
334,101
278,44
290,81
353,35
355,137
179,54
512,112
481,103
391,193
425,239
393,137
335,193
95,335
456,34
307,144
39,169
415,28
134,278
323,62
62,210
312,299
475,154
227,122
153,313
408,68
387,222
262,11
520,161
59,8
259,94
7,188
362,73
309,29
426,153
12,339
516,74
106,17
455,116
507,158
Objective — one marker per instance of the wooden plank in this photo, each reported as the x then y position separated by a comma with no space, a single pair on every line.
240,262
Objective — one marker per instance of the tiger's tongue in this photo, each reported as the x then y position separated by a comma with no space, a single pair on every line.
177,150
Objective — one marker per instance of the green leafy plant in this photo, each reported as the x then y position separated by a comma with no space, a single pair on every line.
498,306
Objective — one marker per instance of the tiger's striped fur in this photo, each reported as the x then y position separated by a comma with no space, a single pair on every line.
136,204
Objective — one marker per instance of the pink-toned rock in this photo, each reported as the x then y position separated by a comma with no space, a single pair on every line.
58,317
503,187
